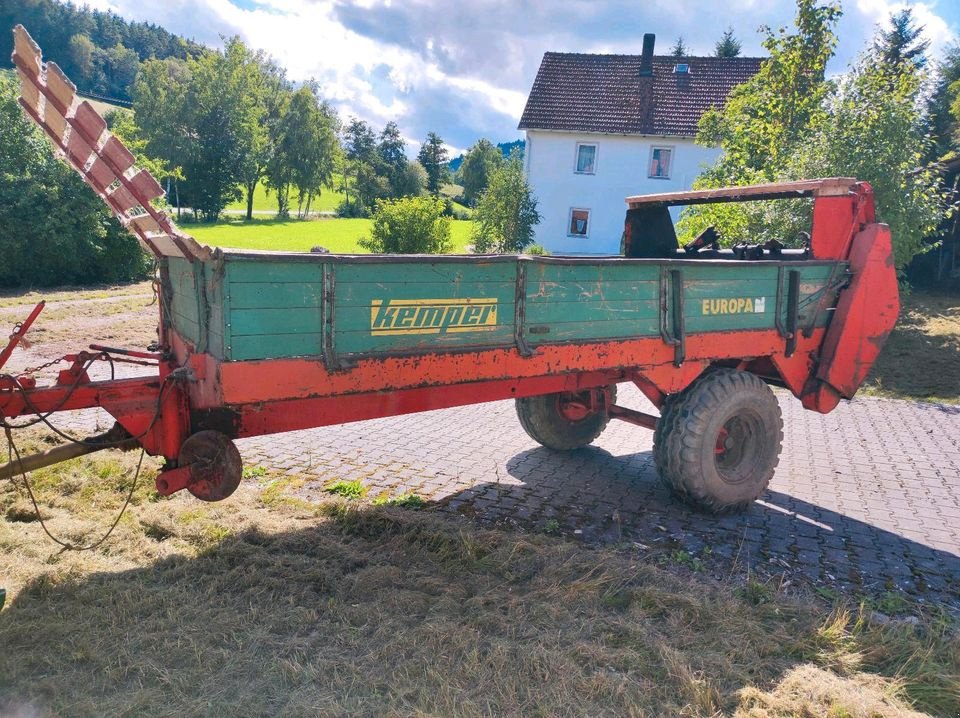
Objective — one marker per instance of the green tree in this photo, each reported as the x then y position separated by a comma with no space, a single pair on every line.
872,131
679,49
942,121
901,43
53,228
271,88
866,125
360,148
306,151
409,225
478,164
728,45
160,86
507,212
220,118
414,180
769,112
82,53
393,159
119,65
433,156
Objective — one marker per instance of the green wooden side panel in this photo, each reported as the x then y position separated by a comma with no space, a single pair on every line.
274,308
426,306
587,302
184,309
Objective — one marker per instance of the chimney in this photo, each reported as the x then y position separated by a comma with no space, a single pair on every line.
646,59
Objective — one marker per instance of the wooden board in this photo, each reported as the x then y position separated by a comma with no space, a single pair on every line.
279,306
829,187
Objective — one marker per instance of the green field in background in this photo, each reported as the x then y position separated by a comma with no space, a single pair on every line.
292,235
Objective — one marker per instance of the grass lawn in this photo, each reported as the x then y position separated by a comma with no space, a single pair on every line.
328,201
337,235
921,359
281,602
267,604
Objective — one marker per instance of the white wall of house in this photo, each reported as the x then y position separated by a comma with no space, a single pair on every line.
622,169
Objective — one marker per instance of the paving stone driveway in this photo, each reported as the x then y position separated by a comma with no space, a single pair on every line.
868,496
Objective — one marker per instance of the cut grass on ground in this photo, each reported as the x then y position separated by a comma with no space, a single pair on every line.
337,235
921,360
248,607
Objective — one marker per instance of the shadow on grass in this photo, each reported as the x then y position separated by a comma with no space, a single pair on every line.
384,612
921,359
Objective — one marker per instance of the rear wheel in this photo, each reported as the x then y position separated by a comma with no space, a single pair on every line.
718,442
566,420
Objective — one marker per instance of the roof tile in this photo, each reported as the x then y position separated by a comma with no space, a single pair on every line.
605,93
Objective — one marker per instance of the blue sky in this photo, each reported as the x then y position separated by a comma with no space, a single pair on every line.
463,69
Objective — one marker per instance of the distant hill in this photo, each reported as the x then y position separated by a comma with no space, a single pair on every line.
505,147
100,51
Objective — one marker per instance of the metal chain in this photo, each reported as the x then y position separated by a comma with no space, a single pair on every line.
35,369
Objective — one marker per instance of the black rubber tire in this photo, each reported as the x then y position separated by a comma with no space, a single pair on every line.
541,419
685,443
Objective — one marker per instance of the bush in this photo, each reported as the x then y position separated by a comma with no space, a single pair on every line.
352,210
410,225
53,228
536,250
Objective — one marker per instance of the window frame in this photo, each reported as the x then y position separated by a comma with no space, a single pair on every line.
576,157
653,148
586,234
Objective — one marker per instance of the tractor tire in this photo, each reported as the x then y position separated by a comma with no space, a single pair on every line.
542,419
718,442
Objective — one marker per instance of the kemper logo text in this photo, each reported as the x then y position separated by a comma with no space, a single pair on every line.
432,316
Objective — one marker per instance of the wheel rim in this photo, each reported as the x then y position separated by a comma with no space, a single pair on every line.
738,449
574,407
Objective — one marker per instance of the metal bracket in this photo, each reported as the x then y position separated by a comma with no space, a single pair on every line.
672,323
520,310
793,304
327,335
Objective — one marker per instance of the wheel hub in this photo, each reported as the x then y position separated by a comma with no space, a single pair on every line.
215,465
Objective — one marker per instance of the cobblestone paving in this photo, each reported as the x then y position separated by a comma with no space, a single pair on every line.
867,497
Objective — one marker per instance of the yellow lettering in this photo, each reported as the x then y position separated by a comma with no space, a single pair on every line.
706,306
748,305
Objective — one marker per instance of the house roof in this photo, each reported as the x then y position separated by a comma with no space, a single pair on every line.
606,93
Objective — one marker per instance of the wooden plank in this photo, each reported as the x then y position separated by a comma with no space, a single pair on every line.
364,293
827,187
273,270
62,92
616,291
592,312
250,322
273,346
592,272
456,273
274,295
538,333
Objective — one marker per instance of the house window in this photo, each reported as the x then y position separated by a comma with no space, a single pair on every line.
586,159
579,223
661,161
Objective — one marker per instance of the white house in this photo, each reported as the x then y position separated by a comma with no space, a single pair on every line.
602,127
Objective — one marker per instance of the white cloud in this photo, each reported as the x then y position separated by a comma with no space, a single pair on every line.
464,69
